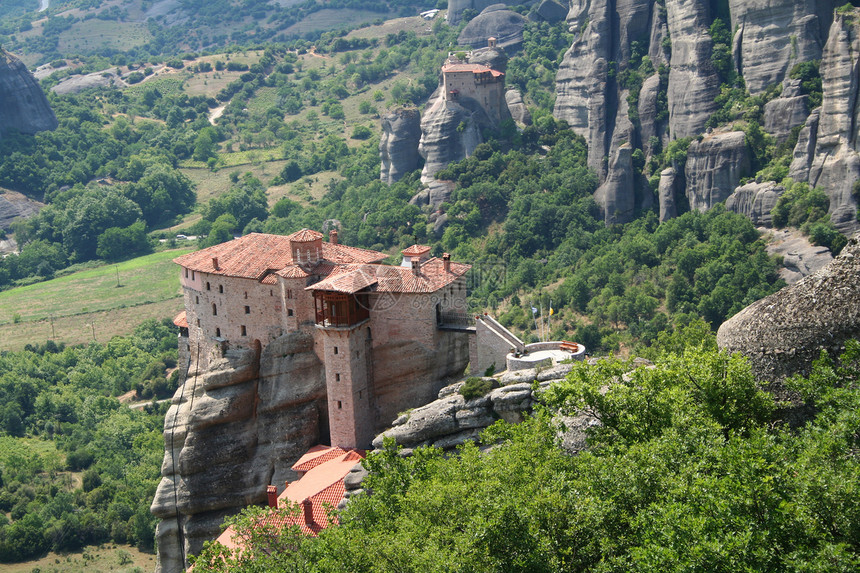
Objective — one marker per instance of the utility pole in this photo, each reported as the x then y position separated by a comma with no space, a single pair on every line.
53,336
93,325
117,276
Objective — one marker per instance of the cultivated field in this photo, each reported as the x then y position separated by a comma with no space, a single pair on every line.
113,558
89,304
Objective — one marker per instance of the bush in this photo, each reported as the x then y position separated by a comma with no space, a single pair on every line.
475,387
361,132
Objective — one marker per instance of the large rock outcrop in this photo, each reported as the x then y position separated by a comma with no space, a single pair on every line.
714,168
398,147
13,206
826,154
773,35
23,105
783,333
756,201
800,258
232,430
616,196
494,21
786,112
693,82
450,132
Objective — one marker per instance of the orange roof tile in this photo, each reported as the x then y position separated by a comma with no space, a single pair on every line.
384,278
317,455
256,255
305,236
181,320
322,486
415,250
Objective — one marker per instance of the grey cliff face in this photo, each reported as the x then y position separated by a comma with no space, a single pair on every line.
756,201
693,82
773,35
456,7
449,132
517,107
714,168
783,333
826,154
667,194
786,112
398,147
616,196
23,105
13,206
232,430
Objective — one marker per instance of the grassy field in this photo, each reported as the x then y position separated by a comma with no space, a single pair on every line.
114,558
90,35
88,304
328,19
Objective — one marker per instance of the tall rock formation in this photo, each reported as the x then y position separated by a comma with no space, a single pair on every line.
714,168
495,21
773,35
693,82
23,105
398,147
827,154
233,429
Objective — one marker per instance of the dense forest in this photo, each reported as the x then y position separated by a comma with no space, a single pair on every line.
690,469
78,467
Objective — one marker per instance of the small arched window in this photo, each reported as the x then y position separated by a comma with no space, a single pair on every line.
214,310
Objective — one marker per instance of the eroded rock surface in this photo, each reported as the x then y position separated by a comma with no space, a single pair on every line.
616,196
398,147
783,333
231,431
714,168
800,258
494,21
14,205
826,154
23,105
776,34
756,201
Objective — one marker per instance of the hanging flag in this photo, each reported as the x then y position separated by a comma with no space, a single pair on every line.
534,310
551,311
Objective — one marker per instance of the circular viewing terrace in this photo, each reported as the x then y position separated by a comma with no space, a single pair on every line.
545,354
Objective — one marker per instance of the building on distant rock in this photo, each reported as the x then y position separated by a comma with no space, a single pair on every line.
379,330
485,85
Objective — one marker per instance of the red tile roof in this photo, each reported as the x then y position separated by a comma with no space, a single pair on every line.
305,236
255,255
322,486
415,250
384,278
181,320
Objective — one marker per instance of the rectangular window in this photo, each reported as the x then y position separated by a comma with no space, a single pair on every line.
244,331
339,405
186,273
335,349
192,275
247,310
208,286
221,289
246,294
337,377
289,312
196,300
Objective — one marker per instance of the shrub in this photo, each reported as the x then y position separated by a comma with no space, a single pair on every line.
475,387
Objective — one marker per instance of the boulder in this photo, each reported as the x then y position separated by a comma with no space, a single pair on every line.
714,167
398,148
23,105
493,58
495,21
756,201
783,333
